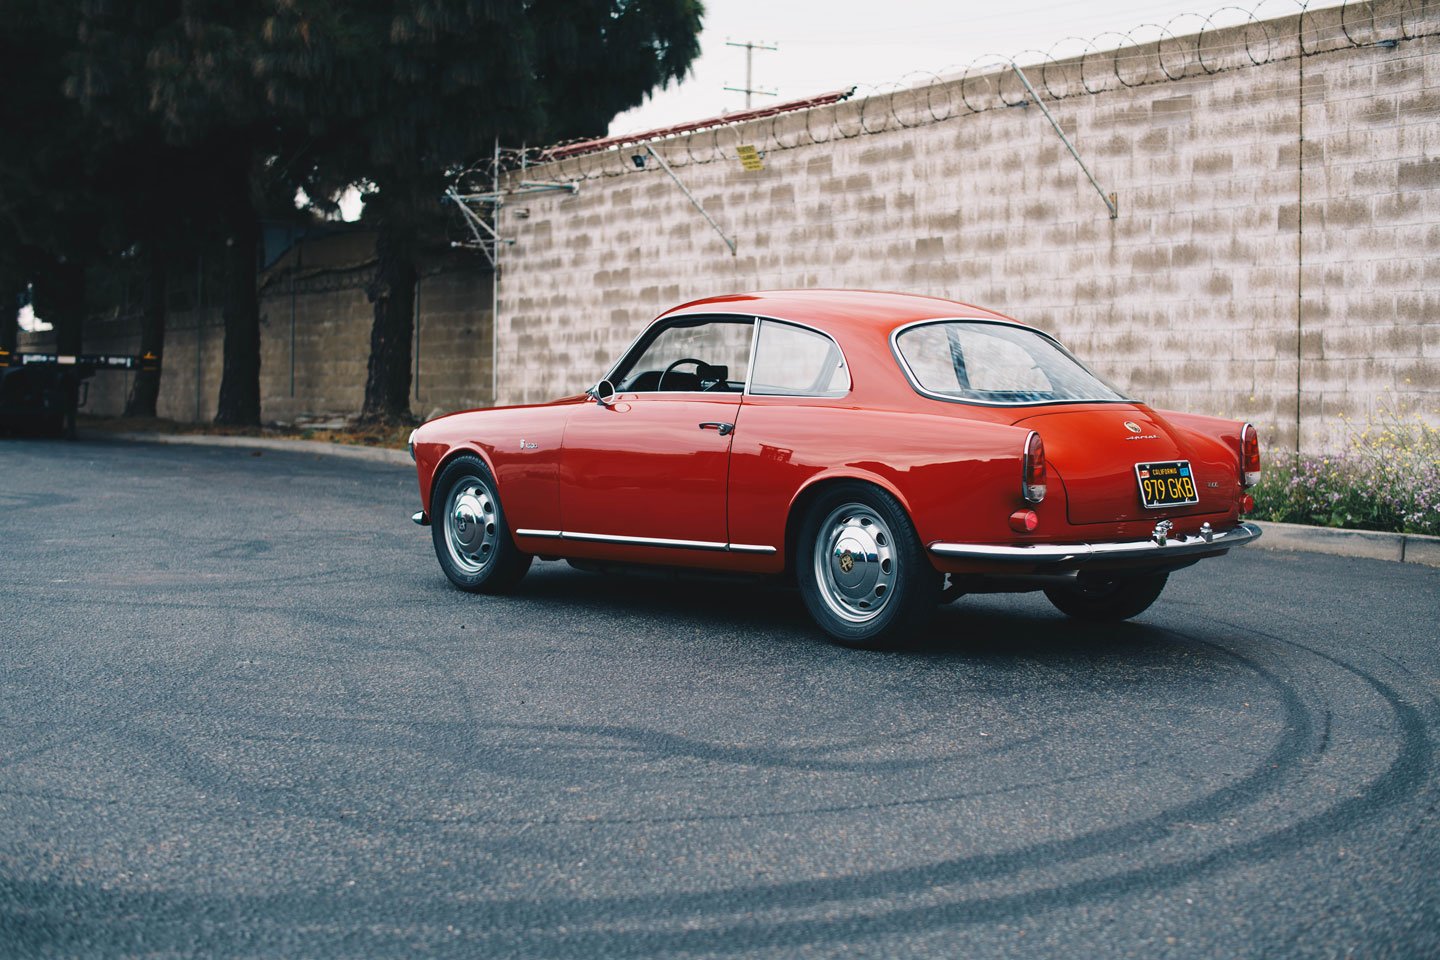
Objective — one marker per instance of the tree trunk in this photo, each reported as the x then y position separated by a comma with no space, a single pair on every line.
145,391
10,288
387,381
65,306
9,316
240,379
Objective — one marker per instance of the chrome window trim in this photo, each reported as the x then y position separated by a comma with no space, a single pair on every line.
755,345
711,545
750,367
915,381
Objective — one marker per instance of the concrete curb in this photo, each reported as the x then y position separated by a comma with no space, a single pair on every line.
1369,544
1397,547
398,458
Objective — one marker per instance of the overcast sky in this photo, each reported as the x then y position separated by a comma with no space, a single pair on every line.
837,43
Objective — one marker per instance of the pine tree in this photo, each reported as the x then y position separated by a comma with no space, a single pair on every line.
53,210
398,94
175,81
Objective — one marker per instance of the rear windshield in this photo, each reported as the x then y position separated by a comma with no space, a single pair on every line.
994,363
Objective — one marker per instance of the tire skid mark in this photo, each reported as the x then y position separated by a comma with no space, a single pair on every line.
496,928
668,922
1402,779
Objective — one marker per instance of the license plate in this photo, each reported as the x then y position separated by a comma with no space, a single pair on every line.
1166,484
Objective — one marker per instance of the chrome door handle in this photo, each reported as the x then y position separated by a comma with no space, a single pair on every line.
724,428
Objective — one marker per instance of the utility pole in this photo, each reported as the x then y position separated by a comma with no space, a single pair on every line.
750,88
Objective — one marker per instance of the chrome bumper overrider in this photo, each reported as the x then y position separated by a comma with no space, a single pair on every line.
1078,553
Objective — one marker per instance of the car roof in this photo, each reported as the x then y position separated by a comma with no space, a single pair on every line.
848,311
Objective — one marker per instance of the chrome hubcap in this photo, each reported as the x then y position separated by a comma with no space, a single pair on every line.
855,563
470,525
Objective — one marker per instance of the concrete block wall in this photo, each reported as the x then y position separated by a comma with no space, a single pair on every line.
190,384
328,352
314,348
1274,258
454,341
332,317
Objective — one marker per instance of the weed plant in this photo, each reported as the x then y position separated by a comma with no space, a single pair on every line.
1386,477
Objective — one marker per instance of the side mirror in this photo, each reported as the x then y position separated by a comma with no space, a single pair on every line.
602,393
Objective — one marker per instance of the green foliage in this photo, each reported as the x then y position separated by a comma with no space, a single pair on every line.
598,59
397,95
54,208
185,121
1386,478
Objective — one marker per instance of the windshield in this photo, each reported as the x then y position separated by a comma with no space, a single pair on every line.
994,363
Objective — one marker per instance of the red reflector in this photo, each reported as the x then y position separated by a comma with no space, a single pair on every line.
1024,521
1247,503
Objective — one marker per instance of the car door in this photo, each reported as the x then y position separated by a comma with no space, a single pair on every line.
652,463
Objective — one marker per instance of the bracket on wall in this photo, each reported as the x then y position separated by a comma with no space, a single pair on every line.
729,242
480,211
1111,202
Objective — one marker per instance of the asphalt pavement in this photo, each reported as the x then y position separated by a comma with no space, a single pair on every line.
243,714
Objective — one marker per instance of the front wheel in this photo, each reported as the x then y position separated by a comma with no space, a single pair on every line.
863,573
1108,600
472,539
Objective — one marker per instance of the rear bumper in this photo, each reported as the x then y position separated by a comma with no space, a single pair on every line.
1075,555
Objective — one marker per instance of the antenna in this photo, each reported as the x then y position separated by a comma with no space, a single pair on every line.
750,47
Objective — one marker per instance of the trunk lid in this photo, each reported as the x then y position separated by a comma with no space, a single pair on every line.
1094,451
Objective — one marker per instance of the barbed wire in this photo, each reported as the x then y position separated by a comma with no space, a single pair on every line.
1187,46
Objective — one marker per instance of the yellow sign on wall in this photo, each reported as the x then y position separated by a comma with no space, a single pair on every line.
749,157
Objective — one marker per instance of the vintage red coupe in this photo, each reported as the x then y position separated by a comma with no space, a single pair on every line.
887,451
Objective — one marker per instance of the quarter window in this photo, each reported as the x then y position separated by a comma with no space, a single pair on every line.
796,362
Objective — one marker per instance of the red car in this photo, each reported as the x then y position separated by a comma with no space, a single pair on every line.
887,451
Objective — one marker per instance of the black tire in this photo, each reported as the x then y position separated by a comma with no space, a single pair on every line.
467,524
863,572
1108,600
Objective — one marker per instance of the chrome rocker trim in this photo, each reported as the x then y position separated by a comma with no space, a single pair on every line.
646,541
1158,547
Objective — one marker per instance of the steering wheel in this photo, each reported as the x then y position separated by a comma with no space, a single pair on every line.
660,384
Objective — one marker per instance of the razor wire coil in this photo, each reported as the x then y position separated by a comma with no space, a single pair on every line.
1187,46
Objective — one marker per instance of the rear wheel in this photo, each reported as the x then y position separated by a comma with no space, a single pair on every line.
863,573
1108,600
467,523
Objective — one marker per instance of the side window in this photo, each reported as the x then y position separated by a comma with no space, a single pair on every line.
796,362
687,356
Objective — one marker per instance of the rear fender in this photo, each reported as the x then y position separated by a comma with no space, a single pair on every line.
815,487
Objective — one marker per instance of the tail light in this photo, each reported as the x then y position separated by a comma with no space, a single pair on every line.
1032,479
1249,456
